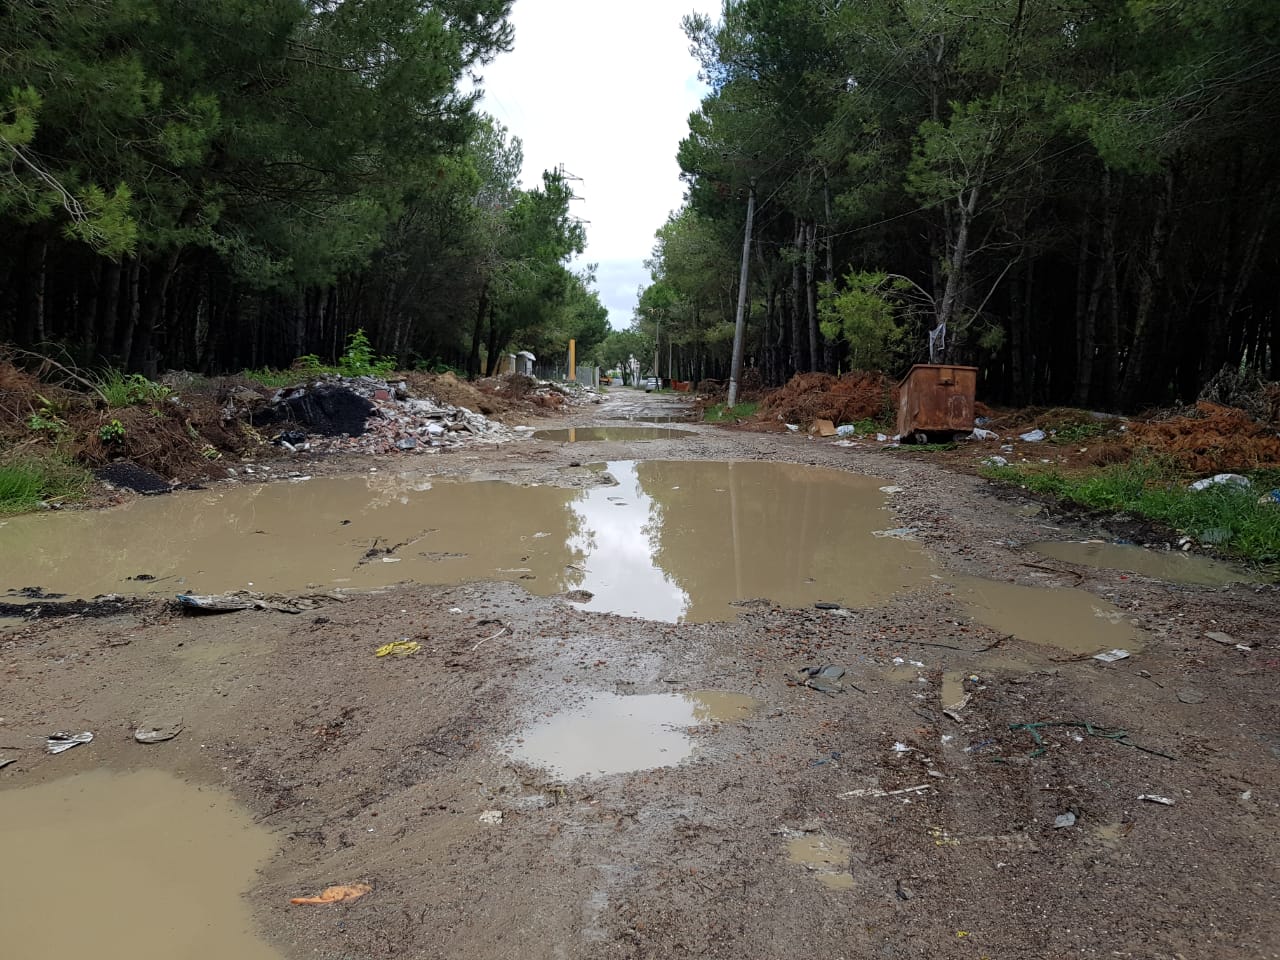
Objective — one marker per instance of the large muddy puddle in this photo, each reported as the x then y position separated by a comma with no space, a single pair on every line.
671,541
137,866
1072,620
616,434
615,734
1171,565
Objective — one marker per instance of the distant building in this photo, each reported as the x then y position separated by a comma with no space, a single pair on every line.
524,363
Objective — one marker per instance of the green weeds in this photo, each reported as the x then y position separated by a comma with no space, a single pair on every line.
1225,516
721,414
119,389
27,481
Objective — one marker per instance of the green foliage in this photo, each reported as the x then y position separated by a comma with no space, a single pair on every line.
112,432
865,314
27,481
1226,515
722,414
269,377
1074,433
359,359
120,389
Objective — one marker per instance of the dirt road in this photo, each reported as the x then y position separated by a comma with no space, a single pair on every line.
909,811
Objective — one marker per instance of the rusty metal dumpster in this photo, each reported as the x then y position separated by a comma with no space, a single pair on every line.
936,398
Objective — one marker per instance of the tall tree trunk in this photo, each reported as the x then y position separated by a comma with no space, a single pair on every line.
797,364
811,295
133,308
477,330
1143,352
88,318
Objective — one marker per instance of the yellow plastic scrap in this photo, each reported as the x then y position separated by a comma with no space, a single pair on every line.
351,891
399,648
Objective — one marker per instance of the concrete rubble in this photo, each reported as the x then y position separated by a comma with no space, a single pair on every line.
396,421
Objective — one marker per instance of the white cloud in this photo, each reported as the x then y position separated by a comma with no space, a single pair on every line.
606,88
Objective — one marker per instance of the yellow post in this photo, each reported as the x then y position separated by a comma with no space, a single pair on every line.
573,359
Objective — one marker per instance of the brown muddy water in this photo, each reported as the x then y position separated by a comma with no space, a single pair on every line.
827,857
1067,619
616,434
1171,565
671,541
615,734
134,866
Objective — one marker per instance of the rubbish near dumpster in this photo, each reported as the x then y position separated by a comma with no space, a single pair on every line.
1220,480
1033,436
61,742
158,732
822,428
337,894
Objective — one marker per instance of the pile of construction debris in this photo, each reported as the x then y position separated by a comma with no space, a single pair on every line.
370,416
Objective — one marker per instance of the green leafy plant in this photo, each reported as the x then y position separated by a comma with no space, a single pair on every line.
121,389
112,432
359,359
722,414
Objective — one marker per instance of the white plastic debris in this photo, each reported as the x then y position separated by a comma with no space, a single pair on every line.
995,461
901,747
1111,656
1033,436
1152,798
793,427
59,742
491,816
898,533
882,438
891,490
877,792
1064,820
1220,479
846,430
981,434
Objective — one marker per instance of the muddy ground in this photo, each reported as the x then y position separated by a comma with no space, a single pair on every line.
377,770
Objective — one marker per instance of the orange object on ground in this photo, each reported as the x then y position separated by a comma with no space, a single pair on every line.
352,891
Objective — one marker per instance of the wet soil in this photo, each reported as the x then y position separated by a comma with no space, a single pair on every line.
402,772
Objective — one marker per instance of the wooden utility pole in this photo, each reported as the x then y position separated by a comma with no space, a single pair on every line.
740,322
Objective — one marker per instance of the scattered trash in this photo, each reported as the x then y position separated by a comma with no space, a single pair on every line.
158,732
898,533
891,490
1064,820
398,648
995,461
901,747
1111,656
1152,798
225,603
826,605
901,661
337,894
1224,638
5,761
1190,695
980,434
876,792
846,430
1270,498
59,742
824,679
1033,436
822,428
882,438
1220,479
1247,795
793,427
1104,733
491,816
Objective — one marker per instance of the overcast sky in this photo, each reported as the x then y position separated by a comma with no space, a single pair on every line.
606,88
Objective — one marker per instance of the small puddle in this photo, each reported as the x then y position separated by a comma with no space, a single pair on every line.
1071,620
1172,565
952,689
136,866
617,434
827,857
671,541
614,734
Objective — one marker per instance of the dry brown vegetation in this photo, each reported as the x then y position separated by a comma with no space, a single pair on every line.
820,396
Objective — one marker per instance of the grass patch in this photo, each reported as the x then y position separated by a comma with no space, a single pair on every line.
276,378
861,427
722,414
121,389
25,482
1224,516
